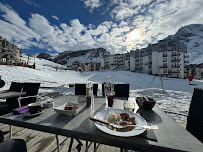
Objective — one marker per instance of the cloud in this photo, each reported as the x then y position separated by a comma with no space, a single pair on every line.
155,20
15,25
55,17
30,2
92,4
150,20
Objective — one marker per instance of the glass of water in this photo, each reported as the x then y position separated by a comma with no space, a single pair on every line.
129,104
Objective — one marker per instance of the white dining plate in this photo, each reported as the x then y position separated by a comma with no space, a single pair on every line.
102,115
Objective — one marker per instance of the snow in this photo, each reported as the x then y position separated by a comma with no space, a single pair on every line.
176,97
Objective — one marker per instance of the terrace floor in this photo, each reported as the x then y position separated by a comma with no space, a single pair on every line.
45,142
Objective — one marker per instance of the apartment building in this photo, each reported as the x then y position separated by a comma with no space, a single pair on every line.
196,69
92,66
105,62
115,62
9,51
165,58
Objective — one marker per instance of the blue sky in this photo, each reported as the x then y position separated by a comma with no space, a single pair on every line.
119,26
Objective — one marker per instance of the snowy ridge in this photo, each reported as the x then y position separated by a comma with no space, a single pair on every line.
192,37
82,56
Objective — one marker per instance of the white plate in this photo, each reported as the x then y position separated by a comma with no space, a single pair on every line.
60,109
102,115
32,115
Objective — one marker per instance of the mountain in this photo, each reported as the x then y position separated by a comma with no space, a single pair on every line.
46,56
192,36
83,56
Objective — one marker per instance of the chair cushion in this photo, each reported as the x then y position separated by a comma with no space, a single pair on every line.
13,145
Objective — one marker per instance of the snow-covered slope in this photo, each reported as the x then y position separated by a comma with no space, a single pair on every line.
192,37
176,97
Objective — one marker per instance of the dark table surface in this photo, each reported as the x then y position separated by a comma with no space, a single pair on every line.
9,94
170,135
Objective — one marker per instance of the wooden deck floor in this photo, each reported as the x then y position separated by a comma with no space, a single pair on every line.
37,141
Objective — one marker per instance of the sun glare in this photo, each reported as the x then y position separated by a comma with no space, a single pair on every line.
134,36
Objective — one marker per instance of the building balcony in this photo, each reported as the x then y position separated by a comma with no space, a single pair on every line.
175,66
186,61
186,56
177,60
164,55
163,66
175,71
175,54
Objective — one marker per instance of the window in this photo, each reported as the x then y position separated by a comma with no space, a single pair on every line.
164,54
164,59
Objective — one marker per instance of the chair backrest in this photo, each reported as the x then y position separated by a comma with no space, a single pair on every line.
121,90
102,89
80,89
95,89
18,87
195,115
31,89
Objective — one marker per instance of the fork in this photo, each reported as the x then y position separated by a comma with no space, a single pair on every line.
123,126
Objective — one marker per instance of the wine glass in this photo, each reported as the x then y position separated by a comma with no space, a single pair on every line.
129,104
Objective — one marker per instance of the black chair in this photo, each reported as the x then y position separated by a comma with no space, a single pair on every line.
80,89
12,145
95,89
121,90
102,89
195,115
11,103
2,82
31,90
16,86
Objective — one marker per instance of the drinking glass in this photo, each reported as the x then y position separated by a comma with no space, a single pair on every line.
129,104
110,97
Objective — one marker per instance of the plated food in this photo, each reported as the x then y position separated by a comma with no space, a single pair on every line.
121,119
106,114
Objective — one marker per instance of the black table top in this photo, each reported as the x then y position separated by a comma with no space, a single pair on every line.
170,135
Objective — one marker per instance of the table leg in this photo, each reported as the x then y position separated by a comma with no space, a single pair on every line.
70,146
57,141
10,131
95,147
86,146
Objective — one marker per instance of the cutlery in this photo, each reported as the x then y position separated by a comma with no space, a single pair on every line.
123,126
